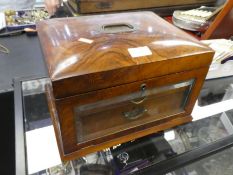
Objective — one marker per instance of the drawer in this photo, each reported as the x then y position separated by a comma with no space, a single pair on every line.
88,121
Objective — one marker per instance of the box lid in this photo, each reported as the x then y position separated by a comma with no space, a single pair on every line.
100,51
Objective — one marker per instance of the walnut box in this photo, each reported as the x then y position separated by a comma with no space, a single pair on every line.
118,77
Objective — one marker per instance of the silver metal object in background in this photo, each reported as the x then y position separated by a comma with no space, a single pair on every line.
195,19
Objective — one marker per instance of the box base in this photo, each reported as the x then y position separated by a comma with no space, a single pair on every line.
91,149
160,126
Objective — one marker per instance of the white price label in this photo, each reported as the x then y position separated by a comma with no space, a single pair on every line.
139,51
85,40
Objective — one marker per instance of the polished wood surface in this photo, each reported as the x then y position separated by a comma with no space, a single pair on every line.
63,114
81,67
89,63
69,154
222,26
93,6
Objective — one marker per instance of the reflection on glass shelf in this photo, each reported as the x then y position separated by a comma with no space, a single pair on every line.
201,132
41,149
35,104
217,90
217,164
230,115
93,164
34,86
140,153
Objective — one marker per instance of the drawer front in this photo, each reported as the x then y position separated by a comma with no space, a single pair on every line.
95,120
112,115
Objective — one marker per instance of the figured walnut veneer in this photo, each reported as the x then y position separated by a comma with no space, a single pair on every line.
88,64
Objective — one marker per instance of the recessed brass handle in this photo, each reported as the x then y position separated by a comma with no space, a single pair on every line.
117,28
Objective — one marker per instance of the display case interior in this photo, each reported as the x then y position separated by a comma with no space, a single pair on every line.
133,156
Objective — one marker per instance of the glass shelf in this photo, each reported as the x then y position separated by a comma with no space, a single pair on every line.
217,164
213,117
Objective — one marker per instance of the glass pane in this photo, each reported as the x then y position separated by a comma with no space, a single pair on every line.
129,157
217,164
229,114
201,132
178,140
113,115
36,112
216,90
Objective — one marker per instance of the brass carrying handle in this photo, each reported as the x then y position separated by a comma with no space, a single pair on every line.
117,28
143,90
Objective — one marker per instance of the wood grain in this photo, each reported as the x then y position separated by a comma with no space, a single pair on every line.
93,6
88,67
65,109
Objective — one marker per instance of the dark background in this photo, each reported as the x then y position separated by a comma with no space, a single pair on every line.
24,60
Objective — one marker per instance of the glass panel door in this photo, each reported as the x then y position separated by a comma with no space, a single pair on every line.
110,116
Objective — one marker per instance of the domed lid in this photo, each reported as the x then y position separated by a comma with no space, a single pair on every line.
101,51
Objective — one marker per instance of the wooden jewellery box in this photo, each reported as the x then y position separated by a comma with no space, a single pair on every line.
98,6
118,77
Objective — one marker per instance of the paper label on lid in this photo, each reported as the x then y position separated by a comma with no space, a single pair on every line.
139,51
85,40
